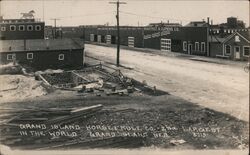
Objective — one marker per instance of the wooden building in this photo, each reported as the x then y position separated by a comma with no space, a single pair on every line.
235,46
42,54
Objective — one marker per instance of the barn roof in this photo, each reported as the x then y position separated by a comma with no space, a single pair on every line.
38,45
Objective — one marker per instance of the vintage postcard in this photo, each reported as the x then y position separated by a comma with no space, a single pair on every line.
124,77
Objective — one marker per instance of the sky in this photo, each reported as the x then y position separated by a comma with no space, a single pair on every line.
134,13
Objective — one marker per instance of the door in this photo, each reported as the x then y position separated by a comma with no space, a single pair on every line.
99,38
237,52
131,41
108,39
189,48
166,45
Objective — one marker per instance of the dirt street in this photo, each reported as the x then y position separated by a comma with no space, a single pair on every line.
221,87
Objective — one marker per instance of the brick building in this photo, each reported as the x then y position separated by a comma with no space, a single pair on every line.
14,29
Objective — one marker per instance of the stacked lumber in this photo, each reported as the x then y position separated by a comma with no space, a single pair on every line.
11,118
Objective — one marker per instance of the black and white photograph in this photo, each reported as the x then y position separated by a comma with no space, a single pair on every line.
128,77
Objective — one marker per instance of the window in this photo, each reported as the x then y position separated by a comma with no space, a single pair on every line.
197,46
203,47
38,28
29,56
246,50
237,39
11,56
12,28
227,49
184,46
3,28
21,28
61,57
30,28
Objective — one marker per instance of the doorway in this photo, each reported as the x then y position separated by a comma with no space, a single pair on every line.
237,52
189,49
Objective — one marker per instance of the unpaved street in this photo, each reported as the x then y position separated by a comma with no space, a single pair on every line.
221,87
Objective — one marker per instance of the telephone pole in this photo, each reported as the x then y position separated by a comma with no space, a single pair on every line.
118,31
55,19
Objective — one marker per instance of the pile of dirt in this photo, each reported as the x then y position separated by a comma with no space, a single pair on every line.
19,87
10,69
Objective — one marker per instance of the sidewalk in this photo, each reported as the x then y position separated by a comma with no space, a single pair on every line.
175,54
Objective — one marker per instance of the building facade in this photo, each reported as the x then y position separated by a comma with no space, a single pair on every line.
14,29
235,46
189,40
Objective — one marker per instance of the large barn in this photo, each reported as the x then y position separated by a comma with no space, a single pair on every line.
42,54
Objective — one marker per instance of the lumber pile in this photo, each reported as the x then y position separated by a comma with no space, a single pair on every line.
11,118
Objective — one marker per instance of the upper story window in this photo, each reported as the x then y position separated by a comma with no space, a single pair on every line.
38,28
21,28
12,28
237,39
3,28
30,27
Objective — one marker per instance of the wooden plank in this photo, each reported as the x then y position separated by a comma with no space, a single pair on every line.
84,109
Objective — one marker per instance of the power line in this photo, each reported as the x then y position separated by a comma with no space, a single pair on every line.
118,30
82,15
136,0
155,17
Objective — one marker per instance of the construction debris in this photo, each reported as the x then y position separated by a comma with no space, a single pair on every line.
177,142
98,79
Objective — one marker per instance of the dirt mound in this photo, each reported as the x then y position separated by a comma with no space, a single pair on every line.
10,69
19,87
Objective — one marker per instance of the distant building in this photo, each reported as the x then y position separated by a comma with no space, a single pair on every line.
197,24
162,25
14,29
232,25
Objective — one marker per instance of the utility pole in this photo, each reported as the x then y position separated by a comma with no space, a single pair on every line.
55,19
118,31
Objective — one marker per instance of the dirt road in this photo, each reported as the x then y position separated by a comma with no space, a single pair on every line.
221,87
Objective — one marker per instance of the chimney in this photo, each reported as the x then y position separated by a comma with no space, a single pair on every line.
208,20
211,22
